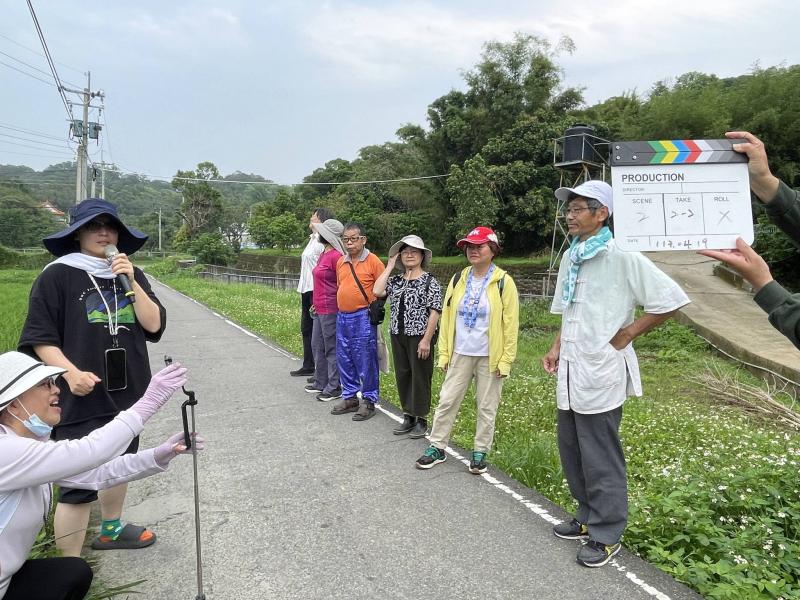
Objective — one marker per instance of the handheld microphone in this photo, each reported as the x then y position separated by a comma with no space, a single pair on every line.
123,281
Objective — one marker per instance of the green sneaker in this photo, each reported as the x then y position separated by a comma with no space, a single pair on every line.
432,457
595,554
478,463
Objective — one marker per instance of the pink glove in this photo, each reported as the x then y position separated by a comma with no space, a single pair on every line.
174,446
162,386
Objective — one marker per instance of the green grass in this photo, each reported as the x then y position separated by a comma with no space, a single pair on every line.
14,289
714,495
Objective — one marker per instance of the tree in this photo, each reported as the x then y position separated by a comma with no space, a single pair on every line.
201,209
471,195
286,230
23,223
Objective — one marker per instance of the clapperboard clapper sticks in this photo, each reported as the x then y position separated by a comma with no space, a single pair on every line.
680,194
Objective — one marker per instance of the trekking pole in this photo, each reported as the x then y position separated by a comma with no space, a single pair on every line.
191,402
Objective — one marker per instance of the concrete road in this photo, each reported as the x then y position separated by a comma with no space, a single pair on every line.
300,504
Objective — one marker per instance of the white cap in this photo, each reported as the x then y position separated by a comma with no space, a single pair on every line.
594,189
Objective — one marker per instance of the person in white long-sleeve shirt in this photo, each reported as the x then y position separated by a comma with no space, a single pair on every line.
30,464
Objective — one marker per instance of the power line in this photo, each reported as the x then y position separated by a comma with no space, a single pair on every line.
16,137
30,66
30,132
5,64
5,37
200,179
50,62
34,155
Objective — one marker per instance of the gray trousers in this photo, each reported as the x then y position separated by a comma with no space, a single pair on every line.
323,341
594,465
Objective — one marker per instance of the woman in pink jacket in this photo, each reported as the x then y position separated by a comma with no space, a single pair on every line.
30,464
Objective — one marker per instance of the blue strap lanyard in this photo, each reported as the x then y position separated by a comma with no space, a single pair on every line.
471,302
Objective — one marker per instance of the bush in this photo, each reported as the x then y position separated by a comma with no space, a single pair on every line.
211,249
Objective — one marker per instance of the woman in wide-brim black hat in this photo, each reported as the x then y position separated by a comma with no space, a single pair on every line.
81,318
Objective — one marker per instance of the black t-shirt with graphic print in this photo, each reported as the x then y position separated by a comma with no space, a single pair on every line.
65,310
413,299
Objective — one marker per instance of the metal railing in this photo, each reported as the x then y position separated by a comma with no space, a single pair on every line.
284,281
537,286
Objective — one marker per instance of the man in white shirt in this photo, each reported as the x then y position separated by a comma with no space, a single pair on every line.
597,291
305,288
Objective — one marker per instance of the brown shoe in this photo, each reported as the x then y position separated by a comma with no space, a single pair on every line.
345,406
364,412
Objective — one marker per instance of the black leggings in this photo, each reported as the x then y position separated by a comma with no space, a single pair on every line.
65,578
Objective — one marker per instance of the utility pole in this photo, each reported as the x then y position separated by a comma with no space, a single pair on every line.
159,228
80,176
80,129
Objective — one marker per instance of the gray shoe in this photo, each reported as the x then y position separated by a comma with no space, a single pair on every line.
345,406
595,554
364,412
574,530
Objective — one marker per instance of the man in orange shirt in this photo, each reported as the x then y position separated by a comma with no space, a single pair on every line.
356,337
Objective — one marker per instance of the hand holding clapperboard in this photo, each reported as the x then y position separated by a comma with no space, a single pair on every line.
680,195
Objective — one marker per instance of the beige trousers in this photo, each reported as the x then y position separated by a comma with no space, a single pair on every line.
460,372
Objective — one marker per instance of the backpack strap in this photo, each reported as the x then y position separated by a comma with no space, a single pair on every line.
453,282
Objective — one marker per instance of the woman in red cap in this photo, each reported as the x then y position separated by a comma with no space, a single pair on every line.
478,340
83,320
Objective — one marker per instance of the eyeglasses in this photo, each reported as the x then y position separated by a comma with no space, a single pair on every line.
352,240
95,226
48,382
577,211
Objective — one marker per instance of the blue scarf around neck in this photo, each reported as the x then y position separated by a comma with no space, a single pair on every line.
578,253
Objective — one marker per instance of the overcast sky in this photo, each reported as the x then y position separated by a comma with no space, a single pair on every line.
279,88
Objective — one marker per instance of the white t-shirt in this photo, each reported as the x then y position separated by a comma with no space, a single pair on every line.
308,260
473,341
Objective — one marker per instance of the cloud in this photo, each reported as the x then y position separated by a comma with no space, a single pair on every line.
393,41
186,28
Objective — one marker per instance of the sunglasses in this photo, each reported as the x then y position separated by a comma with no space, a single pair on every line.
48,382
94,226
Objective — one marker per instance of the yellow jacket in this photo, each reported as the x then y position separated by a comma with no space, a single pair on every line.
503,320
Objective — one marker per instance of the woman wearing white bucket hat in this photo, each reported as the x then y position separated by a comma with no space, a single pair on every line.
30,464
415,298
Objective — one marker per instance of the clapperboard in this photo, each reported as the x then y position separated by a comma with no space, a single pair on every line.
680,195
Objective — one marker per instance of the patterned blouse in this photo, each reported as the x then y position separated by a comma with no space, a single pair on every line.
411,302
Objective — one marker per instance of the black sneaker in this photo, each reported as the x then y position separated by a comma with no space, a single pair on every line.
432,457
595,554
419,430
328,396
574,530
478,463
312,388
301,372
406,426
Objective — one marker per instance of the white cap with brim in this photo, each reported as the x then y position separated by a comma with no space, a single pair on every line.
594,189
414,241
19,373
